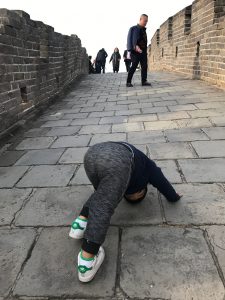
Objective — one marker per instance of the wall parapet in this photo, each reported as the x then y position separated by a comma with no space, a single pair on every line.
192,42
36,64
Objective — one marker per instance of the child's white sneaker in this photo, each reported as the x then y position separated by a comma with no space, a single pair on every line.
78,228
88,267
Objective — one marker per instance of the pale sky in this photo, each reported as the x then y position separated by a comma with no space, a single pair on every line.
99,23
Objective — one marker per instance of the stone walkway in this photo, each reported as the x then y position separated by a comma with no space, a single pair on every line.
156,250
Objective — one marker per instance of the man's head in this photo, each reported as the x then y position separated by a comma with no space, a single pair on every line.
136,197
143,20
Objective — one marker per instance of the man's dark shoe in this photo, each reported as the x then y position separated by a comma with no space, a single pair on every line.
129,84
146,83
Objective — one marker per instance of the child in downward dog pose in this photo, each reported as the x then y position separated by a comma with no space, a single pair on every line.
116,170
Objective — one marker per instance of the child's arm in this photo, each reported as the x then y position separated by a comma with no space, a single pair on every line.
159,181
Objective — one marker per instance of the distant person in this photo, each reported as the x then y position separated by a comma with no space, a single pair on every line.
137,46
91,67
127,60
101,59
115,58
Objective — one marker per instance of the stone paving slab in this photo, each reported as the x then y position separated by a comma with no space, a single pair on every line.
114,120
203,170
71,141
200,204
58,123
14,247
54,206
63,131
146,212
51,270
169,169
92,129
73,155
80,177
10,157
185,135
210,148
168,263
127,127
114,137
160,125
40,157
192,123
10,175
170,151
11,201
86,121
36,143
215,133
47,175
145,137
216,236
218,121
36,132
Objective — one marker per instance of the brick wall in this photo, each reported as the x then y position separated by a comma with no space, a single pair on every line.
36,64
192,42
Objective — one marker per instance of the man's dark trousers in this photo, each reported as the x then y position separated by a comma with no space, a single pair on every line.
137,58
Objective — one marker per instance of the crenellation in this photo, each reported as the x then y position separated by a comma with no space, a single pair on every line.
195,43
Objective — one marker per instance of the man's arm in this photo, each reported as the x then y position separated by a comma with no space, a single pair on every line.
159,181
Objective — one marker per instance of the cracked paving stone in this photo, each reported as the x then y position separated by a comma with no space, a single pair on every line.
54,206
145,137
185,135
216,236
14,247
52,271
71,141
11,201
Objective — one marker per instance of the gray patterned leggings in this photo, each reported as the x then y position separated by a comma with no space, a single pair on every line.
108,166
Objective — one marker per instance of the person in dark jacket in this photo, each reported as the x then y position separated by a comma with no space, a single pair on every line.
115,58
100,60
127,60
137,47
116,170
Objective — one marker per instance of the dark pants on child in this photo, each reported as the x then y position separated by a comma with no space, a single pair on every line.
137,58
108,166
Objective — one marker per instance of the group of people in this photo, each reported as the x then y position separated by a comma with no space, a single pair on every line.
98,65
135,54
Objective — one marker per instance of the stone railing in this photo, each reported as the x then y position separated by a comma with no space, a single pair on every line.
36,64
192,42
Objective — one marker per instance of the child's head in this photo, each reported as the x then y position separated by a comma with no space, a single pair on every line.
136,197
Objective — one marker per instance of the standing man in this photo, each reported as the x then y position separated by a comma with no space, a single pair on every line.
137,46
127,60
101,59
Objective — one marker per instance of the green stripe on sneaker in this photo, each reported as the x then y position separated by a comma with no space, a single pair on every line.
76,225
84,269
